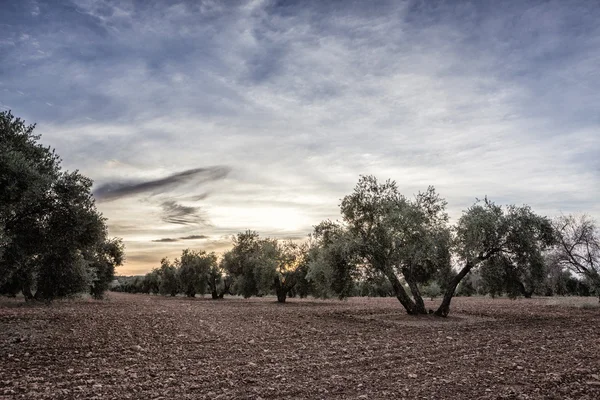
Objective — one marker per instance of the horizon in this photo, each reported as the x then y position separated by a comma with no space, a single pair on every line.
200,120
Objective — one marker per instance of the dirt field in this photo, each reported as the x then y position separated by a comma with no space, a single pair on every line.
144,347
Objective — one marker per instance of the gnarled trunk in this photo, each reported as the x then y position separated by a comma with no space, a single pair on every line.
419,303
409,305
281,295
281,289
444,308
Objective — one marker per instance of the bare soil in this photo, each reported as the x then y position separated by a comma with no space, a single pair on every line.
150,347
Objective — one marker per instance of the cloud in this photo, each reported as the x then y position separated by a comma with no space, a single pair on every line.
175,213
165,240
194,237
117,189
299,98
171,240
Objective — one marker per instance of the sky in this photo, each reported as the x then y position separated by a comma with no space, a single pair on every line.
200,119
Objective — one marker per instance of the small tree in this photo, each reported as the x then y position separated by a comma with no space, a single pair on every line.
333,266
219,282
105,258
151,282
486,230
169,284
283,267
194,269
262,265
241,261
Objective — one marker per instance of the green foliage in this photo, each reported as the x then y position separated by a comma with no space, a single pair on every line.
512,255
333,265
104,258
52,236
194,270
167,273
219,282
410,242
241,261
466,287
260,266
431,290
385,234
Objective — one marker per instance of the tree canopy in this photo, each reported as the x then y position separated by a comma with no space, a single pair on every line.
54,242
411,243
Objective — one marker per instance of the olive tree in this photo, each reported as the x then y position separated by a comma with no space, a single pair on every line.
578,247
168,282
219,281
262,266
281,267
194,269
54,242
513,234
410,241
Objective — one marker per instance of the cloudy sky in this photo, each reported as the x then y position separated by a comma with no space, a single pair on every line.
200,119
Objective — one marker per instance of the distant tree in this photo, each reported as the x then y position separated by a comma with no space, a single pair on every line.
194,269
281,267
151,282
431,290
169,284
219,281
50,231
240,262
262,266
104,258
333,264
466,287
493,277
579,247
374,286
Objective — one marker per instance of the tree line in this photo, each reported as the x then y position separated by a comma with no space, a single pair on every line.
53,241
390,245
255,266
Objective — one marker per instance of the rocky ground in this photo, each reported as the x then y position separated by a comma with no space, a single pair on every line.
149,347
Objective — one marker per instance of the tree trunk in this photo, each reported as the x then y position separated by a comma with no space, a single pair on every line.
27,292
281,289
444,308
419,304
214,294
526,293
281,295
403,297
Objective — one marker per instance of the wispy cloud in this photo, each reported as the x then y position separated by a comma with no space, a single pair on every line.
194,237
175,213
115,190
189,237
165,240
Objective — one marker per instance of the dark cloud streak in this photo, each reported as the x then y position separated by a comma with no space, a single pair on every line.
118,189
171,240
194,237
165,240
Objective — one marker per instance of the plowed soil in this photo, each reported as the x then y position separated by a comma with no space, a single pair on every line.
150,347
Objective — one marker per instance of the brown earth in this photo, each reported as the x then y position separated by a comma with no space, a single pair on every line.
149,347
